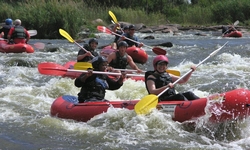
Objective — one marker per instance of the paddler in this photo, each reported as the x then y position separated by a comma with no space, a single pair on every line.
84,56
120,59
94,86
130,35
158,80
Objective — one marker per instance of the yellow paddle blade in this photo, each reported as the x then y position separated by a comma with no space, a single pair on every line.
66,35
147,103
173,72
112,15
82,65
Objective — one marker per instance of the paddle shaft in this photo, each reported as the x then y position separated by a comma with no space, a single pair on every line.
82,48
131,40
107,73
156,50
69,38
85,65
210,55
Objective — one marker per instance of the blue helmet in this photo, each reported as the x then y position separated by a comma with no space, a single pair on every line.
8,21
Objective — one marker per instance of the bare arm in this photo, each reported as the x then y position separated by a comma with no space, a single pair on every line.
184,79
115,27
81,56
111,57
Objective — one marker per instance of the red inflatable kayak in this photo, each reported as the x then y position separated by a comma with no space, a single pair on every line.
233,34
230,105
15,48
137,54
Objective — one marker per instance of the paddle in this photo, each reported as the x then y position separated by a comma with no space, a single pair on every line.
156,50
86,65
149,102
70,39
114,19
49,68
112,15
32,32
235,24
39,45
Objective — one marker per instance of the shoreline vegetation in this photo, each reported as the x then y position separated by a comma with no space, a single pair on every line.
75,16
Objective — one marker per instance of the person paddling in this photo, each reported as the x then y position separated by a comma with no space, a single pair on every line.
120,59
93,86
131,36
227,29
119,32
158,80
84,56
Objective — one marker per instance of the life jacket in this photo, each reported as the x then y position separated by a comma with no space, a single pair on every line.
160,81
19,32
88,58
120,62
129,42
6,29
94,89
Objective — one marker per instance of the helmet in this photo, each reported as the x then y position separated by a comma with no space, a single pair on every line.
93,40
8,21
17,22
125,28
131,27
158,59
96,61
122,43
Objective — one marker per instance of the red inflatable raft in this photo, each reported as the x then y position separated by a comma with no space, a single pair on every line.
233,34
137,54
15,48
230,105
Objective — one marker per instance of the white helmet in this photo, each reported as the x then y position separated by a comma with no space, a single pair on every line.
17,22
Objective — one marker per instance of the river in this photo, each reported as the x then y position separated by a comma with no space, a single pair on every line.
26,97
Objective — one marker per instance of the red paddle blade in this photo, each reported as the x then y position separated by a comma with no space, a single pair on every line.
159,51
104,29
50,68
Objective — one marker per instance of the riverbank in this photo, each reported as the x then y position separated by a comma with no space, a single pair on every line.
177,28
174,29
